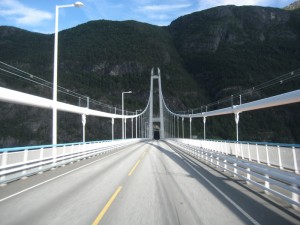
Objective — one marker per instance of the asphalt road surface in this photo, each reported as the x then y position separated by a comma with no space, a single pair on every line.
145,183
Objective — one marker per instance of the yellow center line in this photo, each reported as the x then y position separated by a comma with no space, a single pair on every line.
106,207
133,168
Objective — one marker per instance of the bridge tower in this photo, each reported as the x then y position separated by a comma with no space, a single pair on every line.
159,119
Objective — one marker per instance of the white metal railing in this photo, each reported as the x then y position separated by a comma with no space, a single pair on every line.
284,156
17,97
272,180
20,162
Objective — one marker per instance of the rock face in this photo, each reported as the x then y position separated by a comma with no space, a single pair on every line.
229,25
293,6
108,68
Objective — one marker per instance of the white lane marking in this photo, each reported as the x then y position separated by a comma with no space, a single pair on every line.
54,178
223,194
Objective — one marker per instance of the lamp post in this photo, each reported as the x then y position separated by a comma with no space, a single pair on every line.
54,112
146,129
125,92
136,123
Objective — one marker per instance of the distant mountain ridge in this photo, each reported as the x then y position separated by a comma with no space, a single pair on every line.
203,56
293,6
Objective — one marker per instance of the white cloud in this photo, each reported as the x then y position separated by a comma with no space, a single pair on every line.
21,14
155,8
163,13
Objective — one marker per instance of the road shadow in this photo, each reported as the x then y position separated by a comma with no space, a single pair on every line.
262,209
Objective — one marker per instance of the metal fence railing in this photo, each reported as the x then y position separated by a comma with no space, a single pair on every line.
20,162
284,156
284,184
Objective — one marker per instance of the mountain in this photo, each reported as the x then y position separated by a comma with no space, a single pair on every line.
252,41
293,6
204,56
228,49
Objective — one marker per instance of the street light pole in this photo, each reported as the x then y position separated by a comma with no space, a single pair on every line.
136,123
125,92
54,106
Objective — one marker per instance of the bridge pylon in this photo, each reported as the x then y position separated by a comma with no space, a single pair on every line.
161,112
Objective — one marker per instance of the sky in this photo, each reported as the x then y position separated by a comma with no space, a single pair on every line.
39,15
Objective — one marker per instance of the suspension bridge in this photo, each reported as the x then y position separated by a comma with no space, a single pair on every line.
159,175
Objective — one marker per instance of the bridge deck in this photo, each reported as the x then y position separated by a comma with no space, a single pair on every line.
146,183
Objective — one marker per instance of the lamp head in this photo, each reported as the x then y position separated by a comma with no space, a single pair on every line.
78,4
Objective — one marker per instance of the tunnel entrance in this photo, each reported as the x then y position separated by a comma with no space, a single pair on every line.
156,131
156,135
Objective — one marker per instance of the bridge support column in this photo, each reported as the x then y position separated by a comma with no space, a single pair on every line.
237,118
125,128
140,127
170,126
190,127
177,127
112,128
83,120
150,131
161,111
174,126
182,127
204,128
131,127
136,130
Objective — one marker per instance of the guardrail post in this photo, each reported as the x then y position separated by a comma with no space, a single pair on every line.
234,169
279,158
25,159
3,163
267,183
248,175
295,160
249,153
236,150
64,155
225,165
54,154
257,153
41,160
77,151
267,152
295,197
86,150
221,146
72,153
241,149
